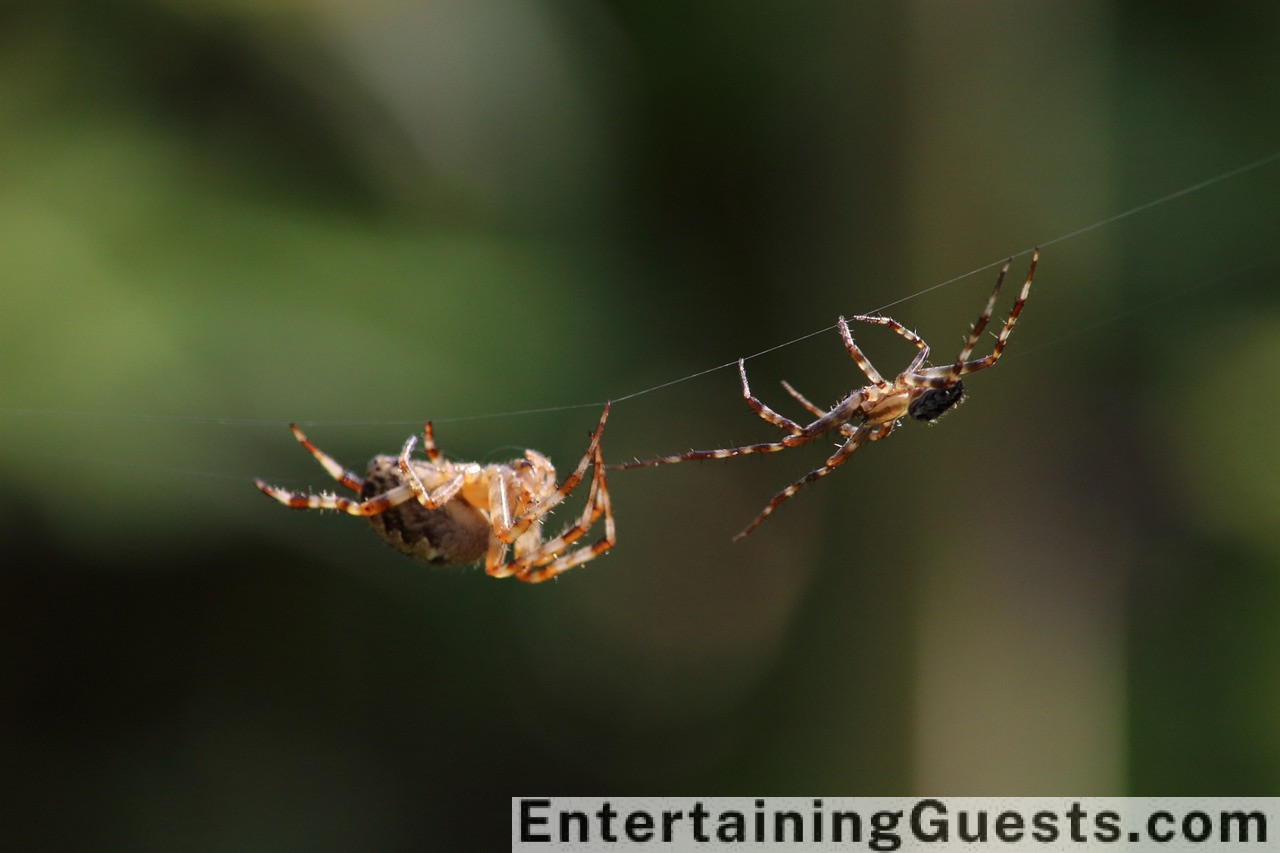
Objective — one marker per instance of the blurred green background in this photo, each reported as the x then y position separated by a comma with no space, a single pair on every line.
217,217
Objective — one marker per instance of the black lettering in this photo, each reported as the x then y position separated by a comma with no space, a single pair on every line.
668,820
606,816
639,826
884,834
528,820
1154,821
1189,823
779,829
817,820
1107,827
938,825
854,820
1077,816
1009,826
977,835
1244,820
584,827
1046,827
733,827
699,814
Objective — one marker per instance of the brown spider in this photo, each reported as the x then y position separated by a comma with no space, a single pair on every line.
458,513
872,412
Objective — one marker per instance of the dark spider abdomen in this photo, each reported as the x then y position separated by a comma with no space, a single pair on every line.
456,534
932,404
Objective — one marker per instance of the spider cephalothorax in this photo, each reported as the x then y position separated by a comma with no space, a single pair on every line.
873,411
458,513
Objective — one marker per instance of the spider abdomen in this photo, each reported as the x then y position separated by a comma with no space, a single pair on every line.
935,402
456,534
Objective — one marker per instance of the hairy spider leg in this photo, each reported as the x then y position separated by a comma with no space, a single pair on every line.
373,506
547,564
351,480
763,410
802,399
545,561
298,500
963,364
859,357
798,435
517,526
856,437
429,443
441,494
902,331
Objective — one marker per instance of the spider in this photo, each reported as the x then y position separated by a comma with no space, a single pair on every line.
872,412
458,513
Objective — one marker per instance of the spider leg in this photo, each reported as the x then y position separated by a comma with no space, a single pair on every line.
547,559
726,453
903,331
352,481
978,327
429,443
798,434
522,522
500,537
946,375
550,560
441,494
963,364
373,506
801,399
761,409
856,438
859,358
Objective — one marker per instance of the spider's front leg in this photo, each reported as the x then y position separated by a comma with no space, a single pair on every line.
902,331
534,559
549,559
517,510
543,506
763,410
797,435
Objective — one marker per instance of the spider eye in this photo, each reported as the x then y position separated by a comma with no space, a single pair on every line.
932,404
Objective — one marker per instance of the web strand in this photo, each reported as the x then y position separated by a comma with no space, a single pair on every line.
1062,238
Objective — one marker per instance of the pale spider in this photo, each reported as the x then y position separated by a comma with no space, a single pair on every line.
872,412
458,513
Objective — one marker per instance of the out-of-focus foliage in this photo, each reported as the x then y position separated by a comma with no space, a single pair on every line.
220,217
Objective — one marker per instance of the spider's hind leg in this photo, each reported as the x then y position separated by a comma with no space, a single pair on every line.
856,437
373,506
963,364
